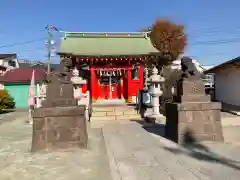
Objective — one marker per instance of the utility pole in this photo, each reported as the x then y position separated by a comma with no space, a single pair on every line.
49,47
49,43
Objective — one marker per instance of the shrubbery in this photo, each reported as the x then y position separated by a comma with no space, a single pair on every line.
6,101
171,78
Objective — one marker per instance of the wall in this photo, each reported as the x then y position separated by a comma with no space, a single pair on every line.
20,94
227,86
6,62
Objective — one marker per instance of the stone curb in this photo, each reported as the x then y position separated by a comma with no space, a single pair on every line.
111,159
237,113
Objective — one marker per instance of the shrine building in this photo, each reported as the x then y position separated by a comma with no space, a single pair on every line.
115,61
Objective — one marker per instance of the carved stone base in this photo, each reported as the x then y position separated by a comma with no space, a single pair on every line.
155,118
59,127
201,120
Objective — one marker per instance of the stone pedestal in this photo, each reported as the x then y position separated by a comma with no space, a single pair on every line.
193,114
59,123
59,127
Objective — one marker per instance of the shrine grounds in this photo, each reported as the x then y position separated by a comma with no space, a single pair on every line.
123,150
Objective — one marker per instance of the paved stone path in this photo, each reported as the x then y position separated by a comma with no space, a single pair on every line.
133,150
232,134
138,152
10,116
17,163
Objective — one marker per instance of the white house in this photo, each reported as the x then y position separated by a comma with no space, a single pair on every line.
201,68
227,82
208,79
7,62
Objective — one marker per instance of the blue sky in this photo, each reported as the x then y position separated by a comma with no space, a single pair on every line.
207,22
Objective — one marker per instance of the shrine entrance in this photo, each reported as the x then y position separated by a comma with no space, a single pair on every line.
110,83
110,87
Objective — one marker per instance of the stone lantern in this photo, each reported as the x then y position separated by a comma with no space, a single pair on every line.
155,82
146,78
78,81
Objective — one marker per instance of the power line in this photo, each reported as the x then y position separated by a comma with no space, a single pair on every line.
41,30
216,42
212,29
223,33
21,43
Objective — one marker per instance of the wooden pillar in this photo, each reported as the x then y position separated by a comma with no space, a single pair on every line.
121,88
92,80
141,76
129,87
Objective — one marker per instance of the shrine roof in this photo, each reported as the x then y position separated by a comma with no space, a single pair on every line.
106,44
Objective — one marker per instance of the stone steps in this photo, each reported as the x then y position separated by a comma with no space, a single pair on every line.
108,112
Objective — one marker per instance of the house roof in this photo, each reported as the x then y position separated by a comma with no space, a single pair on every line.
37,64
8,56
234,62
22,75
106,44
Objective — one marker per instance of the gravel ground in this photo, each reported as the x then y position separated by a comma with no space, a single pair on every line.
18,163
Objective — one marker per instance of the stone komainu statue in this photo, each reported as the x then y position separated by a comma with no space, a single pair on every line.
62,74
172,76
60,122
192,113
189,70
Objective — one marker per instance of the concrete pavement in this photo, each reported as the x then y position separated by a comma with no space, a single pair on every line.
140,152
17,163
123,150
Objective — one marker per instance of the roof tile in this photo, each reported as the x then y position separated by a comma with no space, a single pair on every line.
109,44
22,75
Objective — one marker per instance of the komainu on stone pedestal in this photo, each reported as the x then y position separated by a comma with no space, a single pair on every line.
192,112
59,123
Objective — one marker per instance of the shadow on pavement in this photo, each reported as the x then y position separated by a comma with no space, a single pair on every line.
195,149
190,146
154,128
7,111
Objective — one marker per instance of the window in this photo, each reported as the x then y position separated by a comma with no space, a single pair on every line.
105,80
135,74
12,63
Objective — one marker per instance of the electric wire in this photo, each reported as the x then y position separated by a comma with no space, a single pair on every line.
21,43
